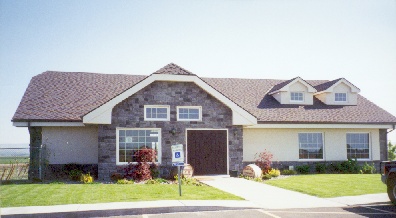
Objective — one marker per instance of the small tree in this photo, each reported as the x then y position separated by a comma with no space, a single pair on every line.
391,151
264,160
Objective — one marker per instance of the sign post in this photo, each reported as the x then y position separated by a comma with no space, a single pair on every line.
178,160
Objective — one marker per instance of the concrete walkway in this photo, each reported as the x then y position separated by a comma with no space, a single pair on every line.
270,197
266,196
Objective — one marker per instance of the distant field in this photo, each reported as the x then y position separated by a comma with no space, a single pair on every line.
8,160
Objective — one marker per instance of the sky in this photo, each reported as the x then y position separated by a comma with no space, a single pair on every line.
279,39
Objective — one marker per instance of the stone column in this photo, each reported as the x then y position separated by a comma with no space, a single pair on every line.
383,137
35,150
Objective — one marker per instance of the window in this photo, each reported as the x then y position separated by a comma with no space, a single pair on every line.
341,97
358,146
189,113
153,112
129,141
311,145
297,96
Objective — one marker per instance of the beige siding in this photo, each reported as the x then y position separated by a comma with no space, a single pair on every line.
283,143
71,144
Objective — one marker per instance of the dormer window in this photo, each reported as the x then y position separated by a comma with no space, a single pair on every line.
297,96
340,97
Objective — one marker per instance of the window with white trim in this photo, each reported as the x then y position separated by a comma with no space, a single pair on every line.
189,113
342,97
311,145
129,141
156,112
358,146
297,96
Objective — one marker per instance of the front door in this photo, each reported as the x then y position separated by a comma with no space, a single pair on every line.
207,151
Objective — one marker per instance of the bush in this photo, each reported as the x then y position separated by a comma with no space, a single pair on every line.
75,174
274,173
116,176
124,182
368,169
264,160
303,169
142,170
188,181
349,166
266,176
288,172
86,178
320,168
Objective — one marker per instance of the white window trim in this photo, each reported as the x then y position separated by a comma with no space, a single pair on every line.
159,148
303,97
324,147
369,145
157,119
346,96
189,107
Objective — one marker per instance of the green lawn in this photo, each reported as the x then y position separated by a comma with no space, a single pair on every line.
332,185
14,195
8,160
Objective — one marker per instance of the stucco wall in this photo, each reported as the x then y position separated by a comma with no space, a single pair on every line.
283,143
71,144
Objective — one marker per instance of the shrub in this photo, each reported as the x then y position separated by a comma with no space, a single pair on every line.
266,176
142,170
264,160
86,178
75,174
188,181
274,173
349,166
124,182
116,176
368,169
320,168
288,172
303,169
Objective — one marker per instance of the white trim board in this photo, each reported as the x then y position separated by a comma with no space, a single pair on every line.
102,114
319,126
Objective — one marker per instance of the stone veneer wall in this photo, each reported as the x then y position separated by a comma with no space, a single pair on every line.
383,144
130,113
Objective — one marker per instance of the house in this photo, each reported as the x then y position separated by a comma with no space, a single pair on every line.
100,120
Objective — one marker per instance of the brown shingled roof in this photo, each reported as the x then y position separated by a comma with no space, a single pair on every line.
68,96
174,69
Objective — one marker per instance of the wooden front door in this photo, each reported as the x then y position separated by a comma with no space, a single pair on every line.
207,151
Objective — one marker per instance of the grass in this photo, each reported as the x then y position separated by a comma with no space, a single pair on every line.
8,160
15,195
332,185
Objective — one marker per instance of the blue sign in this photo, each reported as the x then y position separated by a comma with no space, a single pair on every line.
178,164
177,154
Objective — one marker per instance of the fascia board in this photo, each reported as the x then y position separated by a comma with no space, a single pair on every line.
320,126
102,115
27,124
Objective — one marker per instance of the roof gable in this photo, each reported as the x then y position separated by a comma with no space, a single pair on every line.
284,86
329,86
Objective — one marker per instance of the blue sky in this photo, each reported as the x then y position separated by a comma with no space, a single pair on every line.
355,39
